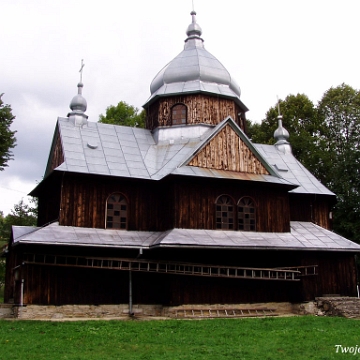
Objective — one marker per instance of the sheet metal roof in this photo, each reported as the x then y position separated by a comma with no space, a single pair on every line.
194,70
292,170
112,150
303,236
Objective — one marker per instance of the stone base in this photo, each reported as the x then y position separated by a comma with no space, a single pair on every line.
348,307
52,312
121,311
327,306
6,311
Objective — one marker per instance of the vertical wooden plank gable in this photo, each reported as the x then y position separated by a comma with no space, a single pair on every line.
227,151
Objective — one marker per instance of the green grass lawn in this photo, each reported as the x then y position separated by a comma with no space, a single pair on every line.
306,337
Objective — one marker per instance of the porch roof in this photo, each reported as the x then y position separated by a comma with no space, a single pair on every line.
302,236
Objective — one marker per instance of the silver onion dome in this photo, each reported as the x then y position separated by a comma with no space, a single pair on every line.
193,30
194,70
78,103
281,136
78,107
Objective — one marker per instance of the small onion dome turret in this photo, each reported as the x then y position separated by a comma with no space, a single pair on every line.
281,136
78,103
78,106
194,70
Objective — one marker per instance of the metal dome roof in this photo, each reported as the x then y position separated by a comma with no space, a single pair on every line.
78,102
194,70
78,107
281,136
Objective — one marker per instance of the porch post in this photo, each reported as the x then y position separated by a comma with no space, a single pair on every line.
22,293
130,293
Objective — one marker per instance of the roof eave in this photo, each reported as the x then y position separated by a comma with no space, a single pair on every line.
235,247
153,98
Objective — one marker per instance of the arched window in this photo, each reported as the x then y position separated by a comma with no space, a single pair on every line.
116,211
224,207
178,114
246,214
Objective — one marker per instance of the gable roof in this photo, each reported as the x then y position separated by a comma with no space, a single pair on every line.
121,151
243,139
302,236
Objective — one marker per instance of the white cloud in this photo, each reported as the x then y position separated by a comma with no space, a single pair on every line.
270,47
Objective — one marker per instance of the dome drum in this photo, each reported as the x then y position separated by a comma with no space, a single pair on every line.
201,108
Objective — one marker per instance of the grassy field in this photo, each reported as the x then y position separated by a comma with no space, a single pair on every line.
260,338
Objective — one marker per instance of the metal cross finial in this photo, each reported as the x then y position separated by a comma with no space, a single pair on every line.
278,104
81,69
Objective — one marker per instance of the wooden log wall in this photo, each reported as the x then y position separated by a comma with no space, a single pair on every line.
177,202
228,152
49,285
49,200
57,155
201,109
9,291
184,203
83,202
337,274
60,286
194,204
69,285
313,208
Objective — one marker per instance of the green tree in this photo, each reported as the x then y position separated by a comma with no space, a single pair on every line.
326,139
2,278
301,121
3,230
7,137
253,130
339,110
123,114
22,215
4,237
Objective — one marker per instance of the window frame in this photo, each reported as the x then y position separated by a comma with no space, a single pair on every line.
183,107
248,218
123,199
231,224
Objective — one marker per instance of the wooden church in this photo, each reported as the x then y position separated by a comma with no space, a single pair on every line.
185,211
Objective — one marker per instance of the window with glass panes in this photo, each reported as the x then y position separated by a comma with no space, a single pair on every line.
246,214
116,212
224,213
178,114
